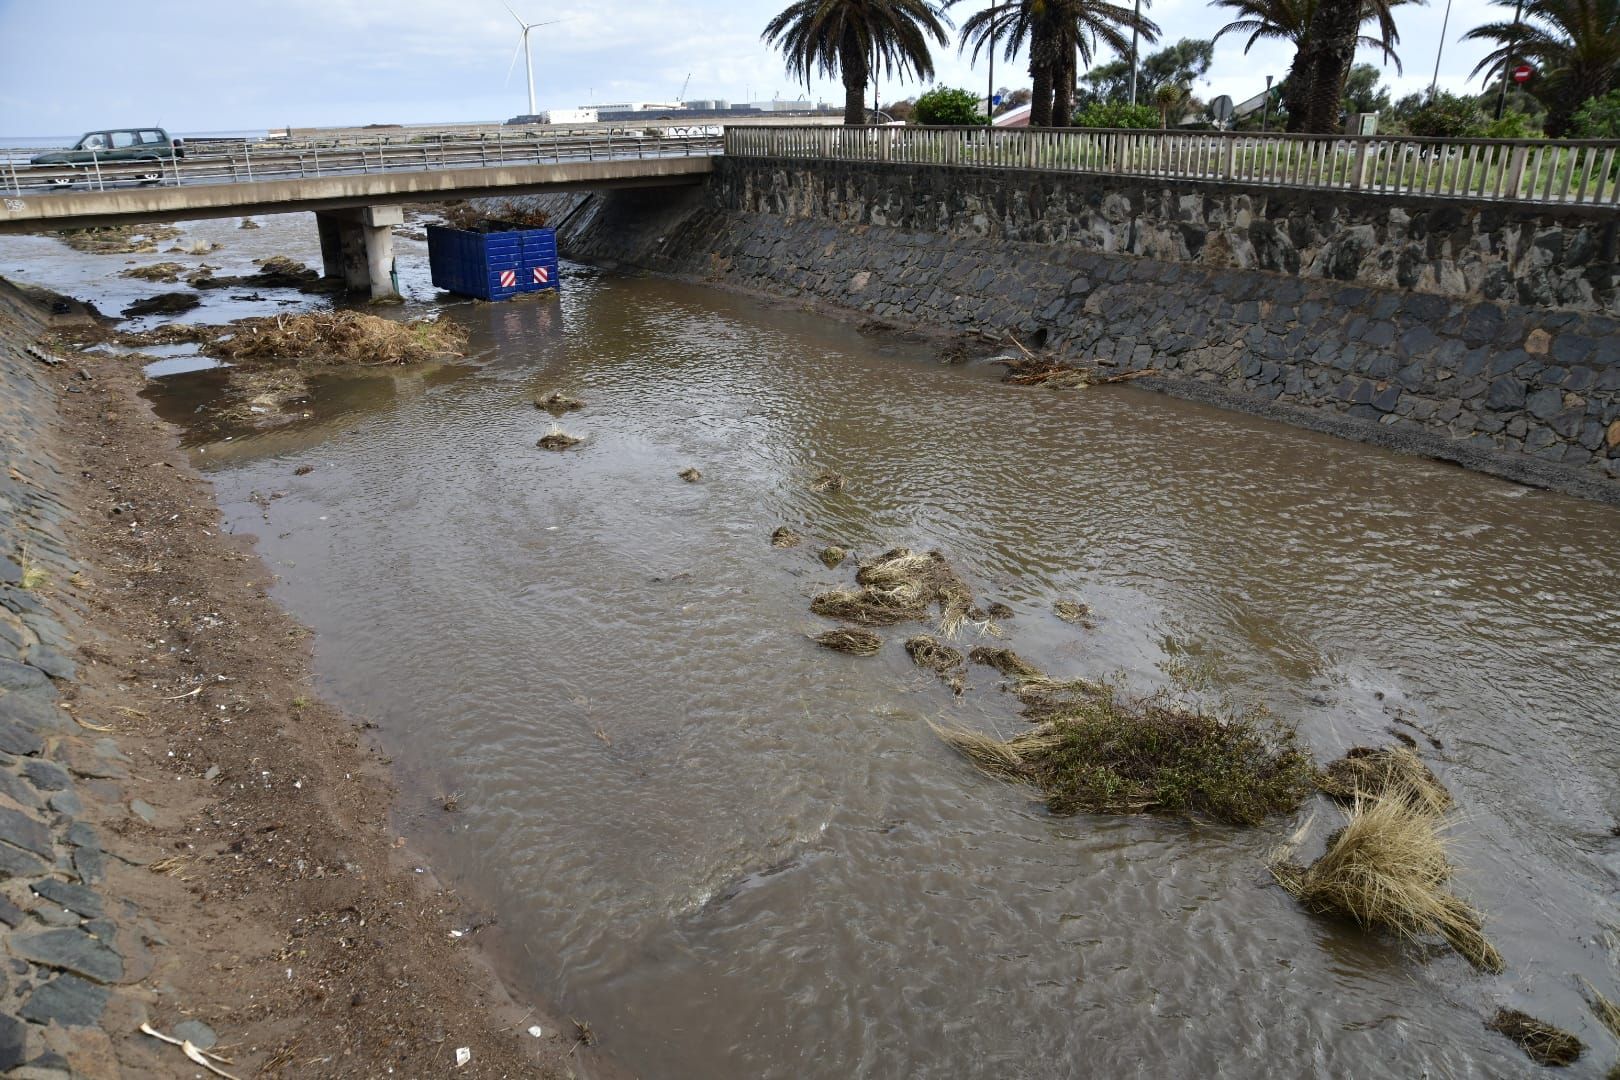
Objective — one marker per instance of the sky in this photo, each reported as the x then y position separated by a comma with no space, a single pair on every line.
66,67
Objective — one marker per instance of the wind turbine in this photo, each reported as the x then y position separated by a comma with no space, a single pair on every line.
528,57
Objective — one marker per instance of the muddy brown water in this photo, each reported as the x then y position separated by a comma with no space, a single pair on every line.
739,855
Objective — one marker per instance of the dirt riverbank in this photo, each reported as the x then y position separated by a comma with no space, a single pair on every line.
247,821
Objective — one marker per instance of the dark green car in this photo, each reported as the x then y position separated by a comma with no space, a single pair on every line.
117,145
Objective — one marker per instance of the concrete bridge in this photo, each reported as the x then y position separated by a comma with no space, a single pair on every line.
356,190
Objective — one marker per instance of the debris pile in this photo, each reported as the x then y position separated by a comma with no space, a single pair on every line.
337,337
558,439
1103,754
785,537
1388,868
1367,771
1541,1042
901,586
557,403
851,639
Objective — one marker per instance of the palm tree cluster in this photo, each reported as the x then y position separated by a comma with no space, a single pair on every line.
1574,43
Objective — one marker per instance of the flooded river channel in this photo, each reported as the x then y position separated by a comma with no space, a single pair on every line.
739,855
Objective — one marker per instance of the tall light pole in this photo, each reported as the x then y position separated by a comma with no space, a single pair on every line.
990,89
1434,84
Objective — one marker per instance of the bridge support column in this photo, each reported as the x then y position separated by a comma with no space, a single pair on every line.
358,246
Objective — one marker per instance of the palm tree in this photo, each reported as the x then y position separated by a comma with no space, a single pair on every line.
1315,81
1575,43
1059,35
1314,87
856,38
1287,20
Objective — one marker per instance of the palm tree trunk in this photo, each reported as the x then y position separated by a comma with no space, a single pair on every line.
1064,74
1330,49
1293,90
852,66
1580,84
1041,74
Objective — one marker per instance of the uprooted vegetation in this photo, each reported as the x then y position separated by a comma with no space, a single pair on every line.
275,272
832,556
784,537
1062,374
851,639
506,215
931,654
118,239
338,337
558,439
691,474
318,337
1097,752
1541,1042
1388,868
1367,771
556,403
901,586
827,480
163,271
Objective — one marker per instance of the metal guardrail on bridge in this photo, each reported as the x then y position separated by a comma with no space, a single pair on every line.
254,161
1561,172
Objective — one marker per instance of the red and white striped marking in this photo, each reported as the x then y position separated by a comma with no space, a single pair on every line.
508,278
541,275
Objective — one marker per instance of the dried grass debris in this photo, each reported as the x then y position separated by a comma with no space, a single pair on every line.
1370,771
337,337
1541,1042
1389,868
557,403
851,639
827,480
558,439
690,475
832,556
785,537
1110,755
1005,661
162,271
1073,611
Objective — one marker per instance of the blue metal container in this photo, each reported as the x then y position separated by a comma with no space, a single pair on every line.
492,265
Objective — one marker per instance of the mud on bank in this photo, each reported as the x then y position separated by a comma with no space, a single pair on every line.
234,865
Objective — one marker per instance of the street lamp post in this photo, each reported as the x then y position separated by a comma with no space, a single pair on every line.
1265,106
1434,84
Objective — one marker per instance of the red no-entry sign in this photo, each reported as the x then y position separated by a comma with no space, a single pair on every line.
1522,73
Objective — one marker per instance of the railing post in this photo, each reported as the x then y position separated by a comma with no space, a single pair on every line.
95,161
1516,171
1358,166
247,158
1228,158
886,144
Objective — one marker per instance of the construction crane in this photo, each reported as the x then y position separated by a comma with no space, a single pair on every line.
681,97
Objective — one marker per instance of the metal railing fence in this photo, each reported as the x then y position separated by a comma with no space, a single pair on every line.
252,161
1553,171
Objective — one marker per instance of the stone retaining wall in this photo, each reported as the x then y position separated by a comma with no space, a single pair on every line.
69,943
1296,306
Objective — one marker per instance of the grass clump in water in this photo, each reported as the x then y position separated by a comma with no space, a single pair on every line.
832,556
901,586
338,337
1371,771
1072,611
1101,754
1005,661
556,403
827,480
690,475
1388,868
785,537
1543,1043
558,439
934,655
163,271
851,639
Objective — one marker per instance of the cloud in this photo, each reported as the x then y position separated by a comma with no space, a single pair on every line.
251,65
